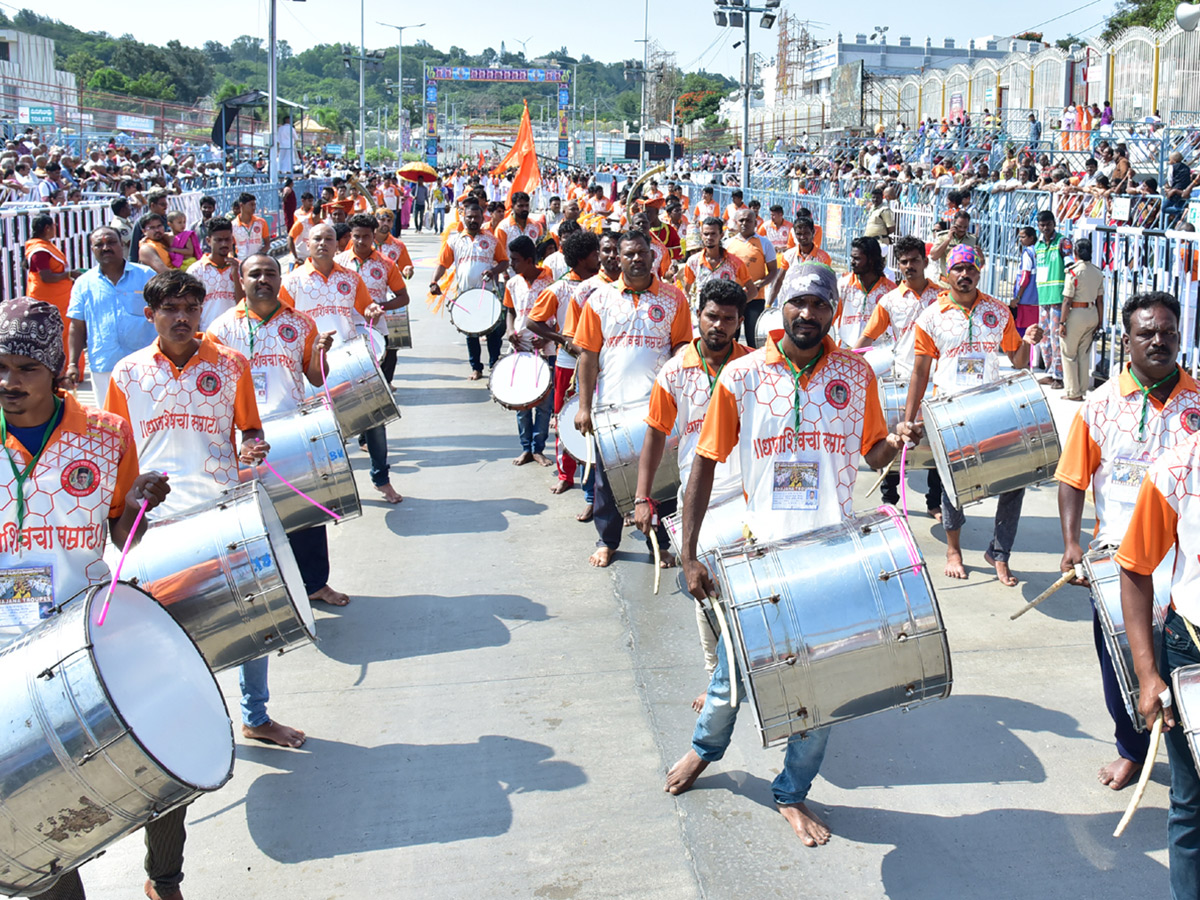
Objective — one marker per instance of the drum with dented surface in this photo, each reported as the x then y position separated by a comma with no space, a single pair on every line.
105,728
620,431
994,438
1105,577
475,312
226,573
893,395
832,625
399,329
307,449
361,396
521,380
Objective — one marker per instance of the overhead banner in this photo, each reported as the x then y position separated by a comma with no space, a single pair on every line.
466,73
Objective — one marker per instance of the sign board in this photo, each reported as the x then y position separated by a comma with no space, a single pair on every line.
431,148
335,149
847,101
35,115
589,156
135,123
1119,209
468,73
956,105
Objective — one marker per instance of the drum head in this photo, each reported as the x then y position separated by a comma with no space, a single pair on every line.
520,380
285,560
770,320
161,687
575,443
475,312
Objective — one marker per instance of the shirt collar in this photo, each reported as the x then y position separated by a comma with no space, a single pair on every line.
945,300
207,352
775,356
691,356
1128,386
655,286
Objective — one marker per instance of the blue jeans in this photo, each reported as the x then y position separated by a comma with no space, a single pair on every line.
1183,818
376,439
589,487
252,677
801,761
533,425
1132,744
495,340
1004,533
437,219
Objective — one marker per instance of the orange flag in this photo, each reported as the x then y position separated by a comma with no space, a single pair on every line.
524,153
514,154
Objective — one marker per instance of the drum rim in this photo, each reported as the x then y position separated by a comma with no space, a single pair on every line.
514,356
499,313
92,593
273,527
571,402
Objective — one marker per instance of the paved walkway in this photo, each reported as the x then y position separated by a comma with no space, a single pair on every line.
492,718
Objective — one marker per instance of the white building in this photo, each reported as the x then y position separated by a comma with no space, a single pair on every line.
29,80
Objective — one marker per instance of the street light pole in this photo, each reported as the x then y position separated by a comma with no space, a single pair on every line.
272,89
748,77
645,74
362,84
400,82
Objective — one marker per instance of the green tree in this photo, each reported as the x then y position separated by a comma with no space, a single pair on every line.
108,79
1150,13
246,48
154,85
228,90
82,65
217,52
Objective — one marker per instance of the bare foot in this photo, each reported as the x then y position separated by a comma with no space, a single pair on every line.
684,773
561,487
475,375
390,494
602,558
627,522
698,703
1007,578
274,733
540,459
666,560
328,595
811,830
935,514
171,893
1118,773
954,564
586,515
524,459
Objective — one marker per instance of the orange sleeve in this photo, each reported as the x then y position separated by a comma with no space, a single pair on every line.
446,256
1080,456
762,229
878,323
296,229
924,344
501,254
874,428
1151,531
545,307
245,405
686,277
285,298
115,401
719,433
663,410
309,341
781,262
817,235
1011,340
824,257
664,264
681,325
508,301
127,471
405,261
572,316
791,240
394,279
588,335
362,297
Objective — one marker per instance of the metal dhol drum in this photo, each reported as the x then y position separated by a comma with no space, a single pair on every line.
105,727
361,396
1105,577
399,330
893,395
994,438
521,380
227,574
1185,686
307,449
882,360
770,320
722,527
835,624
620,431
475,312
575,443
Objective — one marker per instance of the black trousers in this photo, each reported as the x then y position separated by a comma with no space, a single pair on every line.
311,549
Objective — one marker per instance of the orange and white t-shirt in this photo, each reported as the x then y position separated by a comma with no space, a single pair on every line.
508,231
397,252
697,272
219,288
777,234
378,274
634,333
248,239
730,210
896,316
794,256
335,303
521,297
757,253
388,196
966,348
1103,449
600,206
184,420
680,398
471,257
580,298
707,209
551,306
817,235
279,351
80,482
662,257
795,479
299,234
857,304
1166,515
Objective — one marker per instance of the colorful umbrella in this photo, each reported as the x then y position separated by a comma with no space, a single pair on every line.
417,171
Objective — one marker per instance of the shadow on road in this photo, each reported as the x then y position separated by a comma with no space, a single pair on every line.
419,516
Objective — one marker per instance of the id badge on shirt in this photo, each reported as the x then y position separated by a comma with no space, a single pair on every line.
26,595
1125,479
260,385
796,485
968,370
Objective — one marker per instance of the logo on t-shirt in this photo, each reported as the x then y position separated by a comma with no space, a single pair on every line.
990,319
838,393
344,287
1190,418
288,333
376,272
656,313
81,478
208,383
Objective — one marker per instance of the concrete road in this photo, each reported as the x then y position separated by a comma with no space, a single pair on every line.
492,718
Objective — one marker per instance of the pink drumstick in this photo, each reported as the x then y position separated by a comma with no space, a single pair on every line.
913,556
112,585
324,509
859,349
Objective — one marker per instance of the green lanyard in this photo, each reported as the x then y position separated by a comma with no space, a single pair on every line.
1146,398
797,374
19,474
970,323
712,379
254,329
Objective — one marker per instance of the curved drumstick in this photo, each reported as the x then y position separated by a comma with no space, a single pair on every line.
300,493
733,695
1144,778
591,456
657,557
1076,572
137,520
882,475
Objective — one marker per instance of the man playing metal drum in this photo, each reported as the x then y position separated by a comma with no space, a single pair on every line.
626,331
1125,426
521,291
965,331
74,470
798,407
681,392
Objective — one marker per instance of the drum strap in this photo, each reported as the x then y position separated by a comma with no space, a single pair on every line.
1146,391
21,474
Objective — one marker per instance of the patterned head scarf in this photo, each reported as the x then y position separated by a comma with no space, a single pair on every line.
811,278
33,328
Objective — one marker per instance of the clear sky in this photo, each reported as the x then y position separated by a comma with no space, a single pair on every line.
607,31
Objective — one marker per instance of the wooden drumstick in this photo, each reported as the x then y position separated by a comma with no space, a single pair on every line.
657,556
591,455
1077,572
1144,778
733,696
882,475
